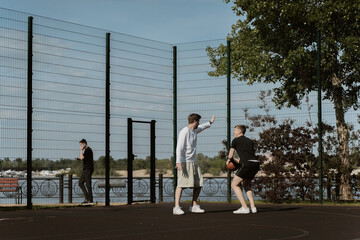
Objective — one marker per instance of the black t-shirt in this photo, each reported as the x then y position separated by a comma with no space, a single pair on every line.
88,161
245,149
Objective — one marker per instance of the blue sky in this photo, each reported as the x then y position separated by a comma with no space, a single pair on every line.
133,75
166,21
171,21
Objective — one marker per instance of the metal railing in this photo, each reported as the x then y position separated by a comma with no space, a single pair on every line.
66,190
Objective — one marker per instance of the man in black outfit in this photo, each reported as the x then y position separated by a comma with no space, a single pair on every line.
249,167
86,155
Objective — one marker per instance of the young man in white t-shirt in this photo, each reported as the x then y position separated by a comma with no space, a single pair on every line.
189,173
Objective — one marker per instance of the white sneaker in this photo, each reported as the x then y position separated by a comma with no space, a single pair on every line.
178,211
254,210
196,209
242,211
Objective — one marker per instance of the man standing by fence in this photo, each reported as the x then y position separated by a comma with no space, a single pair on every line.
86,156
189,173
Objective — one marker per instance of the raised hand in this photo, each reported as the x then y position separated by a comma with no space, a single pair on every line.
212,119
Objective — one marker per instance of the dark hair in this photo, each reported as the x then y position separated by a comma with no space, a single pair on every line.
83,141
194,117
242,128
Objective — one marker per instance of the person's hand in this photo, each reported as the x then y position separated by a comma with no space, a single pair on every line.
212,119
179,166
237,160
228,161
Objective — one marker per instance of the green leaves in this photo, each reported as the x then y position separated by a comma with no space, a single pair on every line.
275,41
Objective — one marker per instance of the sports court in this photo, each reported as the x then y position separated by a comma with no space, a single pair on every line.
84,82
155,221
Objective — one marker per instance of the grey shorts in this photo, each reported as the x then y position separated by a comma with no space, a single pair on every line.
190,176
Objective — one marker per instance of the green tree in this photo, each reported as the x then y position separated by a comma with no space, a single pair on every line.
275,42
18,162
6,163
99,166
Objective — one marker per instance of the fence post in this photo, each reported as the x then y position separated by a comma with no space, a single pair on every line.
174,115
318,39
161,196
70,188
29,113
152,161
228,106
130,160
107,124
61,188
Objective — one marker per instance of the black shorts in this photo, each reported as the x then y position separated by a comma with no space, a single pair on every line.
248,170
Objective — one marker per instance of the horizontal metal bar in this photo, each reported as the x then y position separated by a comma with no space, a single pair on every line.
140,122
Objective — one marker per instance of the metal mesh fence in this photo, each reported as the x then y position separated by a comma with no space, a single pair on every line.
68,89
202,94
13,47
141,89
69,99
13,94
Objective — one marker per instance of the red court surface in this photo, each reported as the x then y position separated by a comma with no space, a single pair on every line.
156,221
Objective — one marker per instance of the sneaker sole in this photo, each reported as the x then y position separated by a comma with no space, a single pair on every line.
178,214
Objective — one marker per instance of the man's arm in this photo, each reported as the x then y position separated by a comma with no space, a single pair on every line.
180,148
206,125
81,153
231,155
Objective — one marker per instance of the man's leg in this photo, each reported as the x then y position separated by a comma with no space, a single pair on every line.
249,193
178,192
198,183
88,174
196,193
238,192
82,185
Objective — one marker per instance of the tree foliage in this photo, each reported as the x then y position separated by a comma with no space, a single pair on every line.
275,42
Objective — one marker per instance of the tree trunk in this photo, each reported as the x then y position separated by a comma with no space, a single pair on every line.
343,138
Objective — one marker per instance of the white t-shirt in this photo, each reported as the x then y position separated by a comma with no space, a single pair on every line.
186,145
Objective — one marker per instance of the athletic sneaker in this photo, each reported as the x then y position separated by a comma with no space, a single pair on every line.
178,211
196,209
254,210
242,211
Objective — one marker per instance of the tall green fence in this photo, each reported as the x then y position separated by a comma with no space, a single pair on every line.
86,82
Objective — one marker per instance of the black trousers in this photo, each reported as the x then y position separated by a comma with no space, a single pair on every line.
85,179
